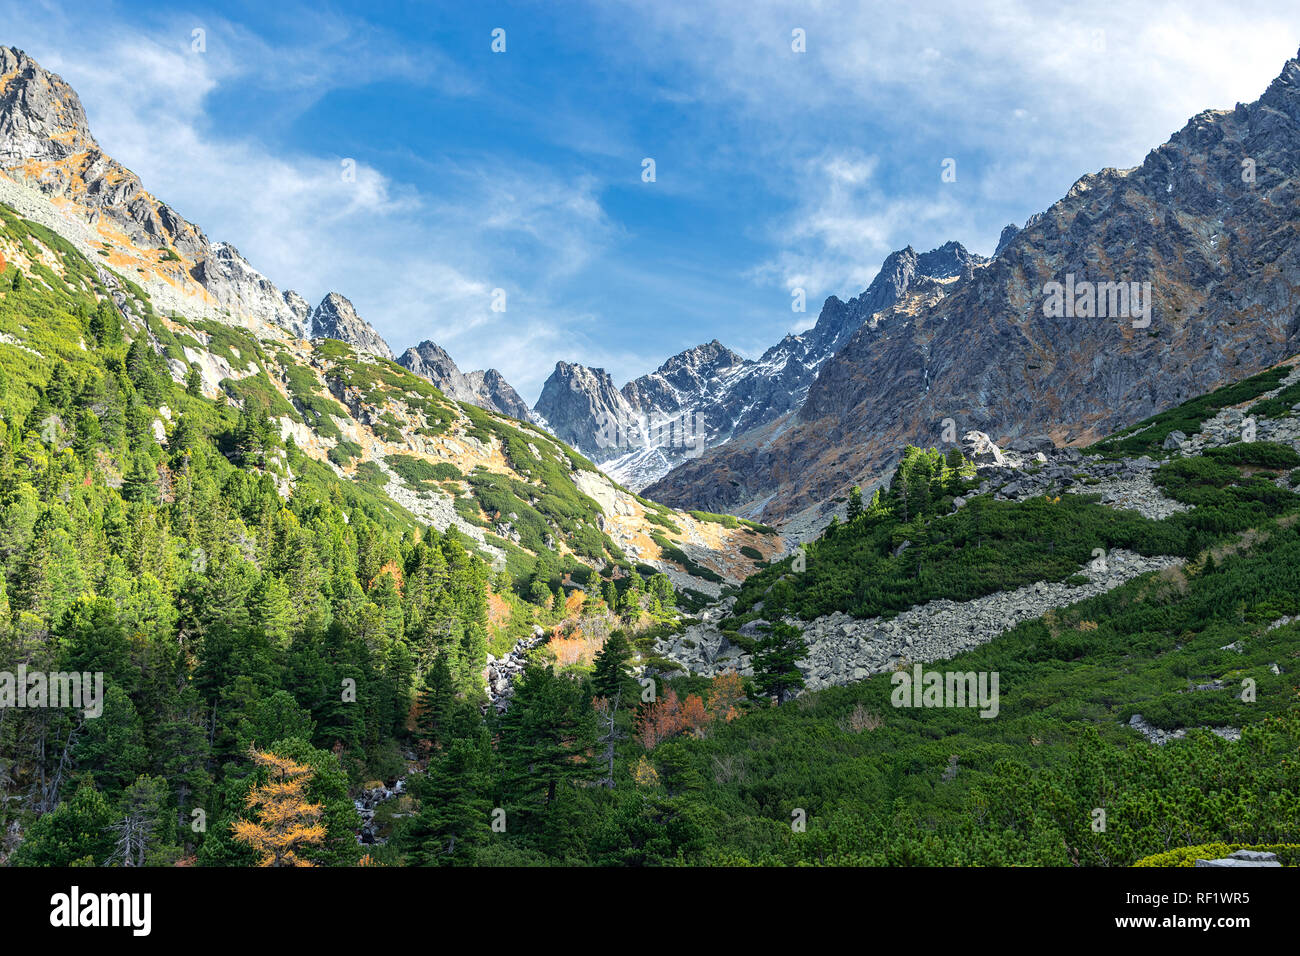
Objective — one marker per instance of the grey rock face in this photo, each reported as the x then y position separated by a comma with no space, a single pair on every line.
335,318
41,117
496,393
1033,444
1232,861
243,291
1161,737
979,448
487,389
300,309
1009,232
583,407
430,360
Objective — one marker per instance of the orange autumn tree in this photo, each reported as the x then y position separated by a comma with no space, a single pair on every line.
726,691
659,721
669,715
285,822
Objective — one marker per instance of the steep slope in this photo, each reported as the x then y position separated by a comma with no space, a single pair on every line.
226,528
75,217
486,389
1209,220
103,209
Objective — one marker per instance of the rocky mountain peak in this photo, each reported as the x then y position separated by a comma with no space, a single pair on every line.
486,389
430,360
839,320
950,260
495,392
53,172
1009,232
580,404
336,318
1284,92
702,358
41,116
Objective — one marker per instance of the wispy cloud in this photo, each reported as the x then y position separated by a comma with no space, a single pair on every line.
1025,96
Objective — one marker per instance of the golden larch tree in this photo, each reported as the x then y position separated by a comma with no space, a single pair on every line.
285,822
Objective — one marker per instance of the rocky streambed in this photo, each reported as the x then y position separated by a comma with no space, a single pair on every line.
367,803
499,674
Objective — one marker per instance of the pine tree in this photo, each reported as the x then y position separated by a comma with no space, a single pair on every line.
182,758
270,609
545,736
141,483
106,325
435,702
140,368
59,389
453,815
141,834
775,656
610,676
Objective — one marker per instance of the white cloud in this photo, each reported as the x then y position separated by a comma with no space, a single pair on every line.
845,223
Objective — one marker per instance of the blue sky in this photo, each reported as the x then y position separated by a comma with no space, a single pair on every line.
522,170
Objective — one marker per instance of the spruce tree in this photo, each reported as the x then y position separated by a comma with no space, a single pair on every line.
855,503
610,675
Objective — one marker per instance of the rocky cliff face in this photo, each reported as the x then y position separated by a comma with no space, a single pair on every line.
707,395
336,318
1211,220
48,153
486,389
583,407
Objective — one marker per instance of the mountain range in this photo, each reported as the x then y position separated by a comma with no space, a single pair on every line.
706,396
940,343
